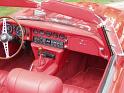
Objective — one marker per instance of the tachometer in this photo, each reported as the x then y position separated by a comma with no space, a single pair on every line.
9,28
18,31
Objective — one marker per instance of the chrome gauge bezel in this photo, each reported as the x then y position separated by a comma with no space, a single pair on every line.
18,33
10,30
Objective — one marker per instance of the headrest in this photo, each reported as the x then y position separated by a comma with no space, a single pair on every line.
23,81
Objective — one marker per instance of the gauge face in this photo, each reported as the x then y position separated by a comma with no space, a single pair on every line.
9,28
42,32
35,31
48,33
18,31
62,36
55,35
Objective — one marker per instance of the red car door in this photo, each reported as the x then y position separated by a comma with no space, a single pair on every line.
118,82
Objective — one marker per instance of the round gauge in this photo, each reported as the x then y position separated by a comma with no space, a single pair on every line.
62,36
18,31
55,35
35,31
42,32
9,28
48,33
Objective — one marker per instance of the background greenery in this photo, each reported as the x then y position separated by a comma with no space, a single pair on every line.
7,10
99,1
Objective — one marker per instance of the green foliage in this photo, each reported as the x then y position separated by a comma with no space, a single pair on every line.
7,11
99,1
102,1
72,0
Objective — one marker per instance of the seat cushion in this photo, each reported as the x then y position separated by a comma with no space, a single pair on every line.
23,81
73,89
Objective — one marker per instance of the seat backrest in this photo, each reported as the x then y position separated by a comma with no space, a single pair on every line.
23,81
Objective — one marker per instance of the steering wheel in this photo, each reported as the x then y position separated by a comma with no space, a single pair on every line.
5,37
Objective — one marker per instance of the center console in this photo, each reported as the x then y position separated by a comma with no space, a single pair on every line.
48,48
47,59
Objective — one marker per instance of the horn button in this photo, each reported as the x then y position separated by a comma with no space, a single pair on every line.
5,37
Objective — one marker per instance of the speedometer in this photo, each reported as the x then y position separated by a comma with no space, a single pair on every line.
18,31
9,28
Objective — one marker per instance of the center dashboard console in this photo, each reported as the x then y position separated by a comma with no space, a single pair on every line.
49,38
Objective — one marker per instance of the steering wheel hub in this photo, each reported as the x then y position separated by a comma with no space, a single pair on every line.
4,37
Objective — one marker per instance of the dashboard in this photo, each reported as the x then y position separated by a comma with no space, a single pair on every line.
59,37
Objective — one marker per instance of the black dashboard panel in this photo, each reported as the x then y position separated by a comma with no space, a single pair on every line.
48,42
49,38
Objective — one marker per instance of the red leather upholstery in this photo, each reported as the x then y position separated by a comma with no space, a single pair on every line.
3,76
22,81
73,89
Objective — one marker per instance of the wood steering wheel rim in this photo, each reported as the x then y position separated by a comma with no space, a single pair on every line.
22,38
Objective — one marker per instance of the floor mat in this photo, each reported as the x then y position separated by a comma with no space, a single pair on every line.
88,79
23,60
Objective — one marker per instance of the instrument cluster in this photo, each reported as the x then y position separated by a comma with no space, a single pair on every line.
43,37
49,38
49,34
11,28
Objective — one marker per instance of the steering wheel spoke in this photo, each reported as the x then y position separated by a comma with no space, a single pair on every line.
4,29
6,49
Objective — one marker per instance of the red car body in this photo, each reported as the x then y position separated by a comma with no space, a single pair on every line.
69,48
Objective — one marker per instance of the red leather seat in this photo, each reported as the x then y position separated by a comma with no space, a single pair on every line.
73,89
22,81
3,76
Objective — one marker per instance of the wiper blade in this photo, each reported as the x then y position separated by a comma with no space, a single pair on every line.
29,18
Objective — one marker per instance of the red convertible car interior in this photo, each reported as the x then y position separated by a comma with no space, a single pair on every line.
61,47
